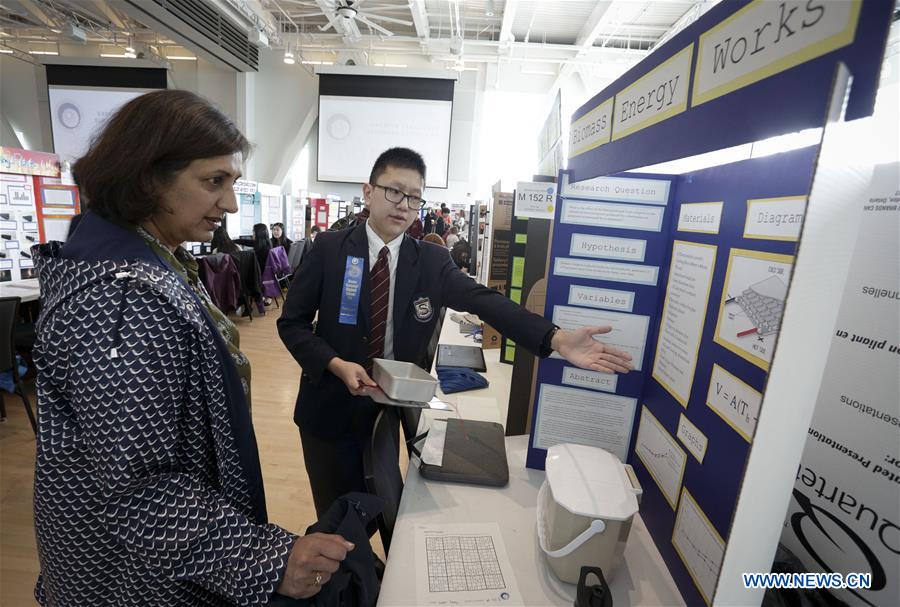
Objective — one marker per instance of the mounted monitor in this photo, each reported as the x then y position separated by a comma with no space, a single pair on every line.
83,97
361,116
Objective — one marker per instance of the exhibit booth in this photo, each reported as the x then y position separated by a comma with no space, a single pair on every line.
757,299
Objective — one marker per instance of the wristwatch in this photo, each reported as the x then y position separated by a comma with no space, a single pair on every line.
546,343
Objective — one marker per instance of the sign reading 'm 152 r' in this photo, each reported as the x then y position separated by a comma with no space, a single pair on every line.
535,199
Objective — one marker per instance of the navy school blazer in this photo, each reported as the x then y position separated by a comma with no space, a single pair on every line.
426,280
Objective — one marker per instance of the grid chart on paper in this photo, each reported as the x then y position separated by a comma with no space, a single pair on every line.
461,563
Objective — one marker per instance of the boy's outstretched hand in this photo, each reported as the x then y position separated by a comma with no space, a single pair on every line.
580,348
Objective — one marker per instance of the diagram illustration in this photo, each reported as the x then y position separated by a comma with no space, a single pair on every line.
763,303
753,299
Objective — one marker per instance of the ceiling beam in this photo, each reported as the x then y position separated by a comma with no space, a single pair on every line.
400,43
509,15
594,25
420,18
109,13
38,12
584,42
692,14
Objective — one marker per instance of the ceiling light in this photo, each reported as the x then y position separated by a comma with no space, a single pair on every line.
116,56
129,49
43,52
489,11
288,57
181,58
6,51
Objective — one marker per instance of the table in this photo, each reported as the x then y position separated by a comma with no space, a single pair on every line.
28,289
489,404
641,580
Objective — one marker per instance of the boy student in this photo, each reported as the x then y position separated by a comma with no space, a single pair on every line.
378,293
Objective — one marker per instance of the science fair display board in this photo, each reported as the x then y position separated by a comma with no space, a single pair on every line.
35,207
692,271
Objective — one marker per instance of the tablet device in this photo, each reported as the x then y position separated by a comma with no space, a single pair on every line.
467,357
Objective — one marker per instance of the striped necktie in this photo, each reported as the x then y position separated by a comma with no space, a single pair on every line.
379,289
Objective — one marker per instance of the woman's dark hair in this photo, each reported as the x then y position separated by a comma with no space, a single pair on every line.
222,242
144,146
261,238
260,232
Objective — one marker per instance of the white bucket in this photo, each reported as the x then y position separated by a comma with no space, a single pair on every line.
585,507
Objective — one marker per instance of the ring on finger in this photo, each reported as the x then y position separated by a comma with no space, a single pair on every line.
318,578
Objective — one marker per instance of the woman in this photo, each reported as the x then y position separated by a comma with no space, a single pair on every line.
148,488
248,270
222,243
279,239
261,244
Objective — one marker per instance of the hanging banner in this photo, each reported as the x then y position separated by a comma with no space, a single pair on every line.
775,60
766,38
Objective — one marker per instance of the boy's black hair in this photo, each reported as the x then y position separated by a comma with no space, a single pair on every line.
401,158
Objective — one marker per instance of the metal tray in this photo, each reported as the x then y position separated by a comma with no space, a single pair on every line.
403,381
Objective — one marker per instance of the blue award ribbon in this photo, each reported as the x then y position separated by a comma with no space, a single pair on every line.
353,278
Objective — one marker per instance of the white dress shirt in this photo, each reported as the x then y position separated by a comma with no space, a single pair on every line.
375,246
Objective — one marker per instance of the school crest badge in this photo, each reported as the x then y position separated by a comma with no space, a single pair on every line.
423,309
